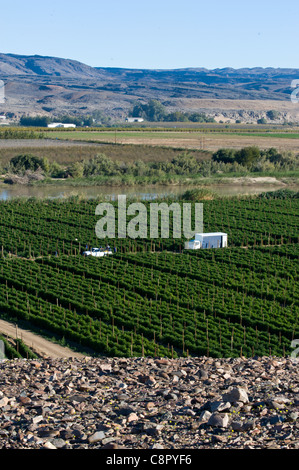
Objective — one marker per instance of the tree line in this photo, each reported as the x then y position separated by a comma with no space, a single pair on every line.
155,111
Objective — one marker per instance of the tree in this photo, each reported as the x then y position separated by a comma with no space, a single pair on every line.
272,114
224,156
200,117
37,121
155,111
272,155
262,121
79,121
176,116
138,110
248,155
152,111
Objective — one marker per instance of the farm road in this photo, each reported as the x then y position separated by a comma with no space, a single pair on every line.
39,344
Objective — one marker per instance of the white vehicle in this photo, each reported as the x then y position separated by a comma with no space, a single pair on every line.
207,240
98,252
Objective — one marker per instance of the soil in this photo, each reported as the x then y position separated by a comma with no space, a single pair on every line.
36,342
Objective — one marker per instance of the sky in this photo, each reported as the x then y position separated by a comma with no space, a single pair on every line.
158,34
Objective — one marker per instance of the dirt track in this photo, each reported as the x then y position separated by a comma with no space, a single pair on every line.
39,344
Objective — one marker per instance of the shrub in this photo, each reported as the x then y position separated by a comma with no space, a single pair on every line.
22,163
224,155
280,194
198,194
76,170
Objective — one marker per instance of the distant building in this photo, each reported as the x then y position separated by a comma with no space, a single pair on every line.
3,121
134,119
61,124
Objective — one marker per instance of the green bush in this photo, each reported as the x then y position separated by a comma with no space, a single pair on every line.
198,194
280,194
22,163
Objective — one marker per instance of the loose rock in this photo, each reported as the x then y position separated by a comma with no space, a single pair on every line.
154,403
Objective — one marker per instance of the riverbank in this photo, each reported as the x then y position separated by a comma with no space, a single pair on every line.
287,178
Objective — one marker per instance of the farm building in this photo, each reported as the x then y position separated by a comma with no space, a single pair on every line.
60,124
134,119
207,240
3,121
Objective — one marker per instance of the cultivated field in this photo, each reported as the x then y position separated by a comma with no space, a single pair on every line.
151,297
205,140
66,152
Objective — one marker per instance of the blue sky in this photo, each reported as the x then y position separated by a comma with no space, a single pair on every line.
159,34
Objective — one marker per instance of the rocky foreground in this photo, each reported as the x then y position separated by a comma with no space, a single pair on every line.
149,403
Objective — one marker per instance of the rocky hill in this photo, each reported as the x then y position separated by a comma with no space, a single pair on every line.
149,403
50,85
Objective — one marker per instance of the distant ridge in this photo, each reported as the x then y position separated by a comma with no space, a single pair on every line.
38,84
13,64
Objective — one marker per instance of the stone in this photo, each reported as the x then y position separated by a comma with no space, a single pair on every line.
219,406
58,443
150,405
96,437
4,401
37,419
125,410
203,374
107,440
24,400
158,446
111,445
36,364
49,445
219,438
204,416
218,420
132,417
293,416
236,425
47,432
236,394
248,425
105,367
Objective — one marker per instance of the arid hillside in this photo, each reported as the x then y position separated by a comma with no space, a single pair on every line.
55,86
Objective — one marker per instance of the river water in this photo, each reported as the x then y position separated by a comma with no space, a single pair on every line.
8,192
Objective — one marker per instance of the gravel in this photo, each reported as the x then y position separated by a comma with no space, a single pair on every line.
149,403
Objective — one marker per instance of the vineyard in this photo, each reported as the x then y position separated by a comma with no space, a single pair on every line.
152,297
16,349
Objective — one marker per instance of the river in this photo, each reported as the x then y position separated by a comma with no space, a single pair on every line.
8,192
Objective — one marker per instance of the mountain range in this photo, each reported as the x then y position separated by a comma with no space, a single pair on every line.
54,86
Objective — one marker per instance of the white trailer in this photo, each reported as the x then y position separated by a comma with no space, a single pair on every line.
207,240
